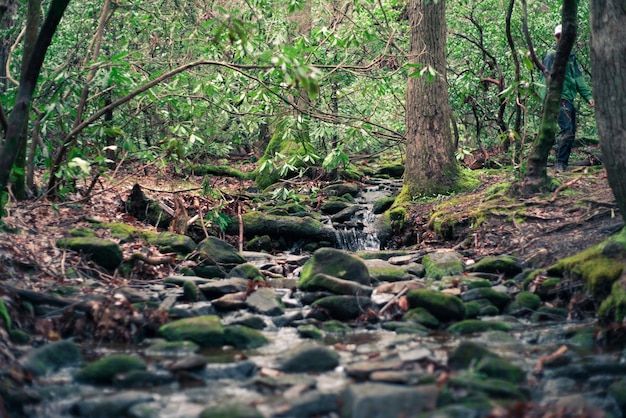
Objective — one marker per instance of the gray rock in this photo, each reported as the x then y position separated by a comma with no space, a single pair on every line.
310,404
383,271
240,370
264,301
308,358
379,400
219,288
109,406
442,263
51,357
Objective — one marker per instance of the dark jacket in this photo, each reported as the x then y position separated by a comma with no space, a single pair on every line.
574,80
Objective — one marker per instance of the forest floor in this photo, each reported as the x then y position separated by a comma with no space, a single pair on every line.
539,230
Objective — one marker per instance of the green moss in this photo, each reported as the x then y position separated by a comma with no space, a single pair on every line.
528,300
81,232
613,308
4,315
240,336
470,326
105,369
122,231
221,170
599,271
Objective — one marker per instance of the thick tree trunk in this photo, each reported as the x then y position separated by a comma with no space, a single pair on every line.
536,174
21,108
431,167
608,59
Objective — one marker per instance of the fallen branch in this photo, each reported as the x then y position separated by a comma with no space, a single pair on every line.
153,261
401,293
544,359
562,187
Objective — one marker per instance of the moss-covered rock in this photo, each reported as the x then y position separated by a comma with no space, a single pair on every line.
524,302
421,316
310,331
81,232
500,264
599,266
216,258
335,263
498,299
333,206
383,271
308,358
383,204
247,271
104,370
168,242
393,170
290,228
51,357
444,307
467,354
442,263
105,253
471,326
335,285
240,336
221,170
206,331
343,307
341,189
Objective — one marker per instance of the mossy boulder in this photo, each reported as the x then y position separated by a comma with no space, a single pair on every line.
343,307
421,316
333,206
51,357
383,204
240,336
500,264
341,189
289,228
335,263
498,299
442,263
335,285
105,253
247,271
471,326
395,170
103,371
168,242
524,302
216,258
383,271
310,331
206,331
444,307
308,358
599,266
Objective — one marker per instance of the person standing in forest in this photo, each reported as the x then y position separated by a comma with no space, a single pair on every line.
574,84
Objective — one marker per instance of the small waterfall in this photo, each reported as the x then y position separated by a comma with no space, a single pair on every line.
358,232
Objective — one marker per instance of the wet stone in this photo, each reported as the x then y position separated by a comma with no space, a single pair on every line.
265,302
308,358
109,406
240,370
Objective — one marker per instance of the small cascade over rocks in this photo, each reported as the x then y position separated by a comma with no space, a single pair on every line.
355,225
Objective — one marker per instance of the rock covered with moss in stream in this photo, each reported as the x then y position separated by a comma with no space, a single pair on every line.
105,253
334,263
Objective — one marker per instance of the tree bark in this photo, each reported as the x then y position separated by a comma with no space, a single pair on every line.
536,173
431,167
21,108
608,60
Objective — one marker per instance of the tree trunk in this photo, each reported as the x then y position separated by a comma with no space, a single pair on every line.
32,30
536,174
608,59
21,108
431,167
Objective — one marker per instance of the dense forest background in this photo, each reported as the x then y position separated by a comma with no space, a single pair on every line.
189,82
